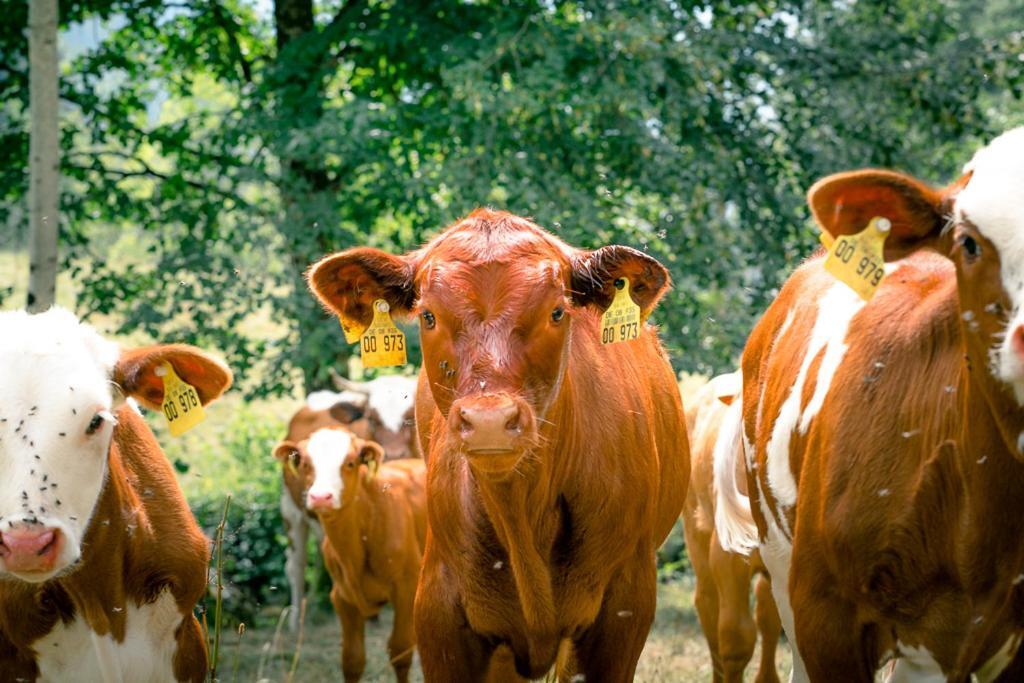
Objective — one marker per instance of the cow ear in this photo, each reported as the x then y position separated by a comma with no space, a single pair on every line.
350,281
136,373
844,203
594,274
284,450
371,454
345,412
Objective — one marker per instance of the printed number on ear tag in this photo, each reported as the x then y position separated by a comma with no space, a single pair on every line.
382,344
857,259
181,405
352,330
621,322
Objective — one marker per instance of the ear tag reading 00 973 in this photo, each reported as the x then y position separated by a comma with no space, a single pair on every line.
181,404
382,344
621,322
857,260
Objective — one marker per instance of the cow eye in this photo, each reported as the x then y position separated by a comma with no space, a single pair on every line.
970,246
429,320
557,314
94,424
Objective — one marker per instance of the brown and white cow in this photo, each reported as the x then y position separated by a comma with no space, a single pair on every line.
373,514
101,561
885,439
556,464
379,409
722,591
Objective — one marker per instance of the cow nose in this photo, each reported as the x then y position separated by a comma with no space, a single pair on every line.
1017,340
493,426
321,499
30,548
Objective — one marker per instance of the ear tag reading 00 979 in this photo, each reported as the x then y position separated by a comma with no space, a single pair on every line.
181,404
857,260
621,322
382,344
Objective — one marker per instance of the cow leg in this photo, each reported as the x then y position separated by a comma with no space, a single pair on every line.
353,637
296,528
705,597
449,649
610,648
402,642
770,627
828,632
736,633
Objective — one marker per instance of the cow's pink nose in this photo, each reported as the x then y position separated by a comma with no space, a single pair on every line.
30,549
1017,340
490,426
321,499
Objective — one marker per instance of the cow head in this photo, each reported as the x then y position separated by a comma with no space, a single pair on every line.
498,299
978,222
328,462
389,404
62,384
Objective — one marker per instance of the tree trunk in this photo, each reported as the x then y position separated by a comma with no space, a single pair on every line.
44,154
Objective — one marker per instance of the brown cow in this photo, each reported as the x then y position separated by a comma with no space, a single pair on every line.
885,439
556,464
380,410
374,520
101,561
722,592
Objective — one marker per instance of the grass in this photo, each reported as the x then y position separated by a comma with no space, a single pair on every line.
675,652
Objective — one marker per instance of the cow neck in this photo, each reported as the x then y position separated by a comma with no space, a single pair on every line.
524,511
346,529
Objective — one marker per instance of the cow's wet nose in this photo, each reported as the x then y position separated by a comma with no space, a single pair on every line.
320,499
1017,341
492,425
31,548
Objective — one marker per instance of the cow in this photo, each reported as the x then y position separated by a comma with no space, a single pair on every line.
378,408
373,514
556,465
722,591
884,439
101,560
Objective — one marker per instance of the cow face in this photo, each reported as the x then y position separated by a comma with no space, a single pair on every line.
978,221
498,300
62,384
328,463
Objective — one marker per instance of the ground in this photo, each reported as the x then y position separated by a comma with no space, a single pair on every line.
676,651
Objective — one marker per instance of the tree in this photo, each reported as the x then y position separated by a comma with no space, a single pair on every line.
44,154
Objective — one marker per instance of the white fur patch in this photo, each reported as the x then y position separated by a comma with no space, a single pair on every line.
56,378
391,397
73,652
915,665
327,450
836,309
777,554
324,400
994,202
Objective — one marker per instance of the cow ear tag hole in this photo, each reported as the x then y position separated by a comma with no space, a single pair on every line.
621,322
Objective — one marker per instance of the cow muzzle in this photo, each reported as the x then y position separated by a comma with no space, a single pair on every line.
31,551
493,429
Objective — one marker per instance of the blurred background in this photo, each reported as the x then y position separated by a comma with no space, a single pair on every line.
212,149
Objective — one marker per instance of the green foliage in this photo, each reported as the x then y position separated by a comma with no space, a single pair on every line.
222,150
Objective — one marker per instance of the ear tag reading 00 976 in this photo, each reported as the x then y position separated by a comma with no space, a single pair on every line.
181,404
857,260
621,322
382,344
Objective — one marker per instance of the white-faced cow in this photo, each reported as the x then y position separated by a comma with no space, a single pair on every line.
556,464
884,439
101,561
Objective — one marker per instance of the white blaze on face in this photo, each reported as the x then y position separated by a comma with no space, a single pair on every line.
327,449
56,379
391,397
994,202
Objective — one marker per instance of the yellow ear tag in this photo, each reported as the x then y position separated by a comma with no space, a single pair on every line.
857,259
181,405
382,343
372,467
621,322
351,328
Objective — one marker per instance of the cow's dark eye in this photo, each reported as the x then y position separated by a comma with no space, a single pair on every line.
428,319
557,314
970,246
94,424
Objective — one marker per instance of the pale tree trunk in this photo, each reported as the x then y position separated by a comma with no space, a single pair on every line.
44,153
